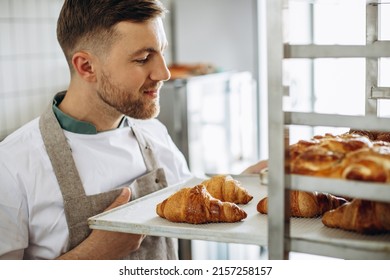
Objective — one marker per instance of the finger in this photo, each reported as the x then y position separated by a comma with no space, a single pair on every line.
123,198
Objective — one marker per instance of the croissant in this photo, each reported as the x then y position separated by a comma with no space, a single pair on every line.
307,204
225,188
359,215
195,205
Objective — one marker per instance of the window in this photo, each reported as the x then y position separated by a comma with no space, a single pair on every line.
331,85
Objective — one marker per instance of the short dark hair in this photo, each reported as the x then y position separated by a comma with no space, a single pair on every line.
90,23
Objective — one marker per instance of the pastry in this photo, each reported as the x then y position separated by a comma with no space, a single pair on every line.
324,155
307,204
359,215
373,135
362,156
366,165
225,188
195,205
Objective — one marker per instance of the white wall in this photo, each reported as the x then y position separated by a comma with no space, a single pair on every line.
221,32
32,66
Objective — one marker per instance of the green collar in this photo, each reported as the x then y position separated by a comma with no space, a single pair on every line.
67,122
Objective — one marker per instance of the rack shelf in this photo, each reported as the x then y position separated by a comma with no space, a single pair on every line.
372,191
357,122
374,50
280,239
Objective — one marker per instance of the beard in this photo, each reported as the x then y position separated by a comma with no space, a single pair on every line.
133,104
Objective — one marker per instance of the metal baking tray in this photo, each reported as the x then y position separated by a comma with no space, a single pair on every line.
139,216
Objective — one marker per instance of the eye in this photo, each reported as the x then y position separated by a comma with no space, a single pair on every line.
142,60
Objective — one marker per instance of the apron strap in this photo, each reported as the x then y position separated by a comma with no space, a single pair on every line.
146,150
60,155
78,207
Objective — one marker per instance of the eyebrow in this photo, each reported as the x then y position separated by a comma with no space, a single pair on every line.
147,50
144,50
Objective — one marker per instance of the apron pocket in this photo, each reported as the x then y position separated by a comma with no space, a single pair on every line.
153,181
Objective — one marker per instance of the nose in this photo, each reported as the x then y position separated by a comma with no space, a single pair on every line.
160,71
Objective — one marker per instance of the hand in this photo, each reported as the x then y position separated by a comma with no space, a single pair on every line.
107,245
256,168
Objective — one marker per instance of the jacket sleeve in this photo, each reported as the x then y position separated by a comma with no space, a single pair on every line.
13,216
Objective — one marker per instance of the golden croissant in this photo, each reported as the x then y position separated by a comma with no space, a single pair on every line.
225,188
307,204
195,205
359,215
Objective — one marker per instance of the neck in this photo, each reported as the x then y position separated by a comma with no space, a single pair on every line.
81,104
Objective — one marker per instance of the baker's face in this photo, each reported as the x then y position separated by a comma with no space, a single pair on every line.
134,70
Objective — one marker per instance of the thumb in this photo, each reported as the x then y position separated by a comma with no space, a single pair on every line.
123,198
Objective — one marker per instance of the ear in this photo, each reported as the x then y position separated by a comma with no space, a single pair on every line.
83,65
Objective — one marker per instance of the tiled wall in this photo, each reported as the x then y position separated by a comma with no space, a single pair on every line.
32,65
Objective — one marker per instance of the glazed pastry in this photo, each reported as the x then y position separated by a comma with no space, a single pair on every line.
373,135
372,165
307,204
225,188
324,155
196,206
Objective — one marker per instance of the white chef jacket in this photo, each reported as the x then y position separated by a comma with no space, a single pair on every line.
32,218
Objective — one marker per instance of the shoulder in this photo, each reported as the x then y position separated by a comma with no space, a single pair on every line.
23,150
25,139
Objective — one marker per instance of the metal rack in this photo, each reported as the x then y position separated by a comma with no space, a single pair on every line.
280,242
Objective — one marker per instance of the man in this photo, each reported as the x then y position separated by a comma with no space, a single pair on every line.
98,137
115,54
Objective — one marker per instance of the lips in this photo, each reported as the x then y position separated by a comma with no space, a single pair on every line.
151,92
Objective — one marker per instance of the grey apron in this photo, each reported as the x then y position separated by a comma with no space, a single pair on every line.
78,206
